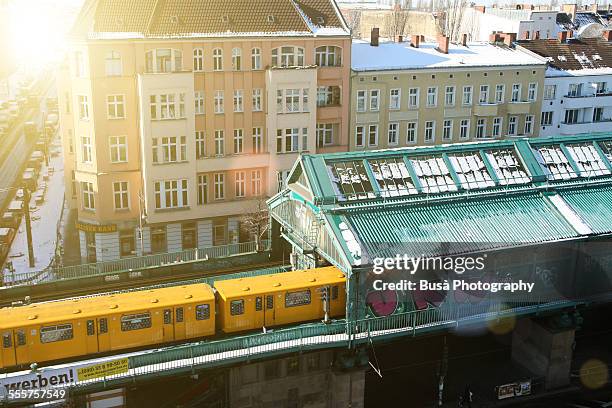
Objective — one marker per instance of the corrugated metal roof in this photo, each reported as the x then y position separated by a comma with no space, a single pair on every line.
593,205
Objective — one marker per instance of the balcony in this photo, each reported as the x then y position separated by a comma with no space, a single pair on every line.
519,108
585,127
587,101
486,109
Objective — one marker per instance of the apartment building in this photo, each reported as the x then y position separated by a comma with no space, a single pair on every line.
577,93
421,93
179,117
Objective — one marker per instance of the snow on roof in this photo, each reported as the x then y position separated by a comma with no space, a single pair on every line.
397,56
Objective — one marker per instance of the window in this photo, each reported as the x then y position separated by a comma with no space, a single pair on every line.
449,96
325,134
238,141
202,189
171,194
374,99
202,312
516,92
484,94
500,89
198,98
528,124
256,58
359,136
432,96
292,140
256,182
600,88
135,321
219,143
361,101
238,100
121,196
430,130
90,328
219,186
240,184
257,140
51,334
547,118
598,114
79,64
169,149
550,91
447,130
118,149
574,90
164,60
288,56
279,140
300,298
83,107
237,307
467,95
89,202
512,126
292,100
481,128
413,97
411,132
392,133
7,340
236,59
571,116
328,56
217,59
532,92
219,101
464,129
115,106
198,59
372,135
394,99
497,126
21,338
167,106
86,149
257,106
328,96
200,140
180,314
112,63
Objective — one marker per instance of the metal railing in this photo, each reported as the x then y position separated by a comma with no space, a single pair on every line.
133,264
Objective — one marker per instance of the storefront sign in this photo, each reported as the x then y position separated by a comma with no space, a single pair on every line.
517,389
96,228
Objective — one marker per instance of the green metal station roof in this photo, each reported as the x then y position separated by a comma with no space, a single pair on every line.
482,195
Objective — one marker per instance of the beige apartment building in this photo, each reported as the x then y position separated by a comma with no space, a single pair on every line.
419,93
179,117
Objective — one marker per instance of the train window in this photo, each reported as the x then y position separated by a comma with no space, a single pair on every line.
179,314
237,307
269,302
51,334
202,312
258,303
7,342
103,323
135,321
297,298
167,316
334,294
21,338
91,330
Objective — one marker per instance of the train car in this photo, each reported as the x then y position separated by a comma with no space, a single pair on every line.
279,299
65,329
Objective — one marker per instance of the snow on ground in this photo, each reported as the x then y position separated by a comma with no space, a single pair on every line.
45,219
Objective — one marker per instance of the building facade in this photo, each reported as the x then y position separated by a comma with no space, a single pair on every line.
577,93
178,121
423,93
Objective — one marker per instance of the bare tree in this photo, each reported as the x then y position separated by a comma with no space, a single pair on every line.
256,222
353,20
395,22
450,18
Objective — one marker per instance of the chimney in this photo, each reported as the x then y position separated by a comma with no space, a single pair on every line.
422,38
607,35
443,44
415,40
480,9
494,37
464,40
570,34
374,37
562,36
569,9
594,7
525,35
400,38
509,38
536,36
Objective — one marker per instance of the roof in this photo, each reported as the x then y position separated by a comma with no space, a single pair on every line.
100,19
399,56
573,55
280,281
66,310
452,199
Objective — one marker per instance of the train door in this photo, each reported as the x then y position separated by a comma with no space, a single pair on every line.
22,356
270,314
179,323
104,340
91,341
259,312
168,326
7,352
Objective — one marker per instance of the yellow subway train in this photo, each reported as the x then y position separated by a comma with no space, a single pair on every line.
75,328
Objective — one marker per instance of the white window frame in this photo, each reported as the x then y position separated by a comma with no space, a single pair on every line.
328,56
430,131
374,104
413,98
393,134
483,95
547,118
218,59
512,124
219,101
373,127
170,194
447,130
464,129
236,59
395,98
86,149
257,137
516,93
88,196
219,183
361,100
240,184
238,100
198,97
500,91
200,140
449,95
83,102
432,96
550,91
219,142
121,195
498,124
118,149
238,141
112,64
360,130
198,60
481,128
412,134
255,183
528,126
532,92
257,105
468,95
256,59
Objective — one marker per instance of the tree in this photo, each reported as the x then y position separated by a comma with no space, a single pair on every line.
354,22
395,22
451,19
256,222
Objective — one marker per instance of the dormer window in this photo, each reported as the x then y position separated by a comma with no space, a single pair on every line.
225,19
270,18
321,20
174,19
